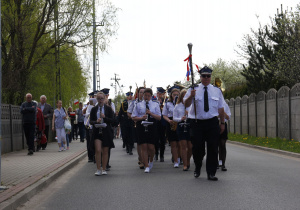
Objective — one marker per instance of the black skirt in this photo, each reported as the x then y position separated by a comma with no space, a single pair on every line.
146,137
105,137
224,135
172,135
181,134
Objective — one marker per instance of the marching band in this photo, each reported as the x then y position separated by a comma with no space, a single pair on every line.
192,120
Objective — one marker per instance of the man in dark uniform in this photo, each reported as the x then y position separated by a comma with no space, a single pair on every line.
161,127
209,103
126,124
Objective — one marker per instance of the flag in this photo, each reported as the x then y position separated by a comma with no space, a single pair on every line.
76,102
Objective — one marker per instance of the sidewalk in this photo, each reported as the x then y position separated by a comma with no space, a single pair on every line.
19,171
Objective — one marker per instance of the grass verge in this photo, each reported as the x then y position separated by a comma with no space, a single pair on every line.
276,143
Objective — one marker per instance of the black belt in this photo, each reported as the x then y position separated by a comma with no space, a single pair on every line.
205,120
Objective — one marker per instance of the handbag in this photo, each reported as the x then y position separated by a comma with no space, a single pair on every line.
67,124
43,139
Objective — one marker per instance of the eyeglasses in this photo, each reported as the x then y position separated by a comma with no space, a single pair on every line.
205,75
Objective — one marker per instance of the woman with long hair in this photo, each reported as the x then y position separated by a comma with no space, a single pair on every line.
99,115
171,131
183,130
146,110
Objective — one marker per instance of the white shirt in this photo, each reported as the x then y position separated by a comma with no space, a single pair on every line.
179,112
131,106
87,114
113,107
227,111
139,109
215,102
168,109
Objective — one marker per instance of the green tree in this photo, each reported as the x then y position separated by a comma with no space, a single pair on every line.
272,53
29,35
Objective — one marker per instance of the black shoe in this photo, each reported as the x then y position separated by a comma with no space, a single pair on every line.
90,160
108,166
212,178
188,167
185,169
156,157
30,152
130,152
43,148
123,145
127,150
197,172
162,159
224,168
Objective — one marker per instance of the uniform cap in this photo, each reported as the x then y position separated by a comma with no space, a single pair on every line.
105,91
160,90
174,87
129,93
205,70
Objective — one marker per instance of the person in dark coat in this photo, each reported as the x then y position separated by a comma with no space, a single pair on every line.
101,114
28,110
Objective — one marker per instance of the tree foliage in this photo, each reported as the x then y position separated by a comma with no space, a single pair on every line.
33,30
272,53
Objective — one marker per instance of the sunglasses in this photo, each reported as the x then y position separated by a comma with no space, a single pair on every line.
205,75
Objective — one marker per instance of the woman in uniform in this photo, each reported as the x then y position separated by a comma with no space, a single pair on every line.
183,131
147,110
102,113
171,125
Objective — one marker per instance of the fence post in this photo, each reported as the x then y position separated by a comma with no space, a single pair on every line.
11,129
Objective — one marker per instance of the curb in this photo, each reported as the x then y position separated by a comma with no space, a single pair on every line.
277,151
26,194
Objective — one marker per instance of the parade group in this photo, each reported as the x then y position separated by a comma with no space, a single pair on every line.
191,120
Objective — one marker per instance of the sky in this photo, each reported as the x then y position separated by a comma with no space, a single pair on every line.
153,35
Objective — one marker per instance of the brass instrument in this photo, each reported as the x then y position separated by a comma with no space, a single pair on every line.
174,126
220,84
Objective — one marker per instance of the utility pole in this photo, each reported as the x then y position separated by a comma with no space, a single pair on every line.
57,44
1,187
116,80
94,48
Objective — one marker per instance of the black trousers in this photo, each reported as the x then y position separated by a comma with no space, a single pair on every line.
222,145
127,136
89,142
206,131
161,140
29,130
81,131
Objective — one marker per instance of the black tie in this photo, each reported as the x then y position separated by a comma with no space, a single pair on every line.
206,107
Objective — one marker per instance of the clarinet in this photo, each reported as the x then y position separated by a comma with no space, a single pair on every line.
100,129
147,107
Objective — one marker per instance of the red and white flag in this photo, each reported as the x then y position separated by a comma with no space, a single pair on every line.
76,102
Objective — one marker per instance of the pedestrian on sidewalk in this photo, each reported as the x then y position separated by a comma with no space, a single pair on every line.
101,114
40,128
47,112
58,123
28,110
80,119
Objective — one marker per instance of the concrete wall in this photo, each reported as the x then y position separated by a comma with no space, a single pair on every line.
272,114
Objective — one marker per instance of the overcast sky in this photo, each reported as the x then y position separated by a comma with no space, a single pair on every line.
152,39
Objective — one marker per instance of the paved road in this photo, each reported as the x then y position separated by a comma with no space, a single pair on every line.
255,180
